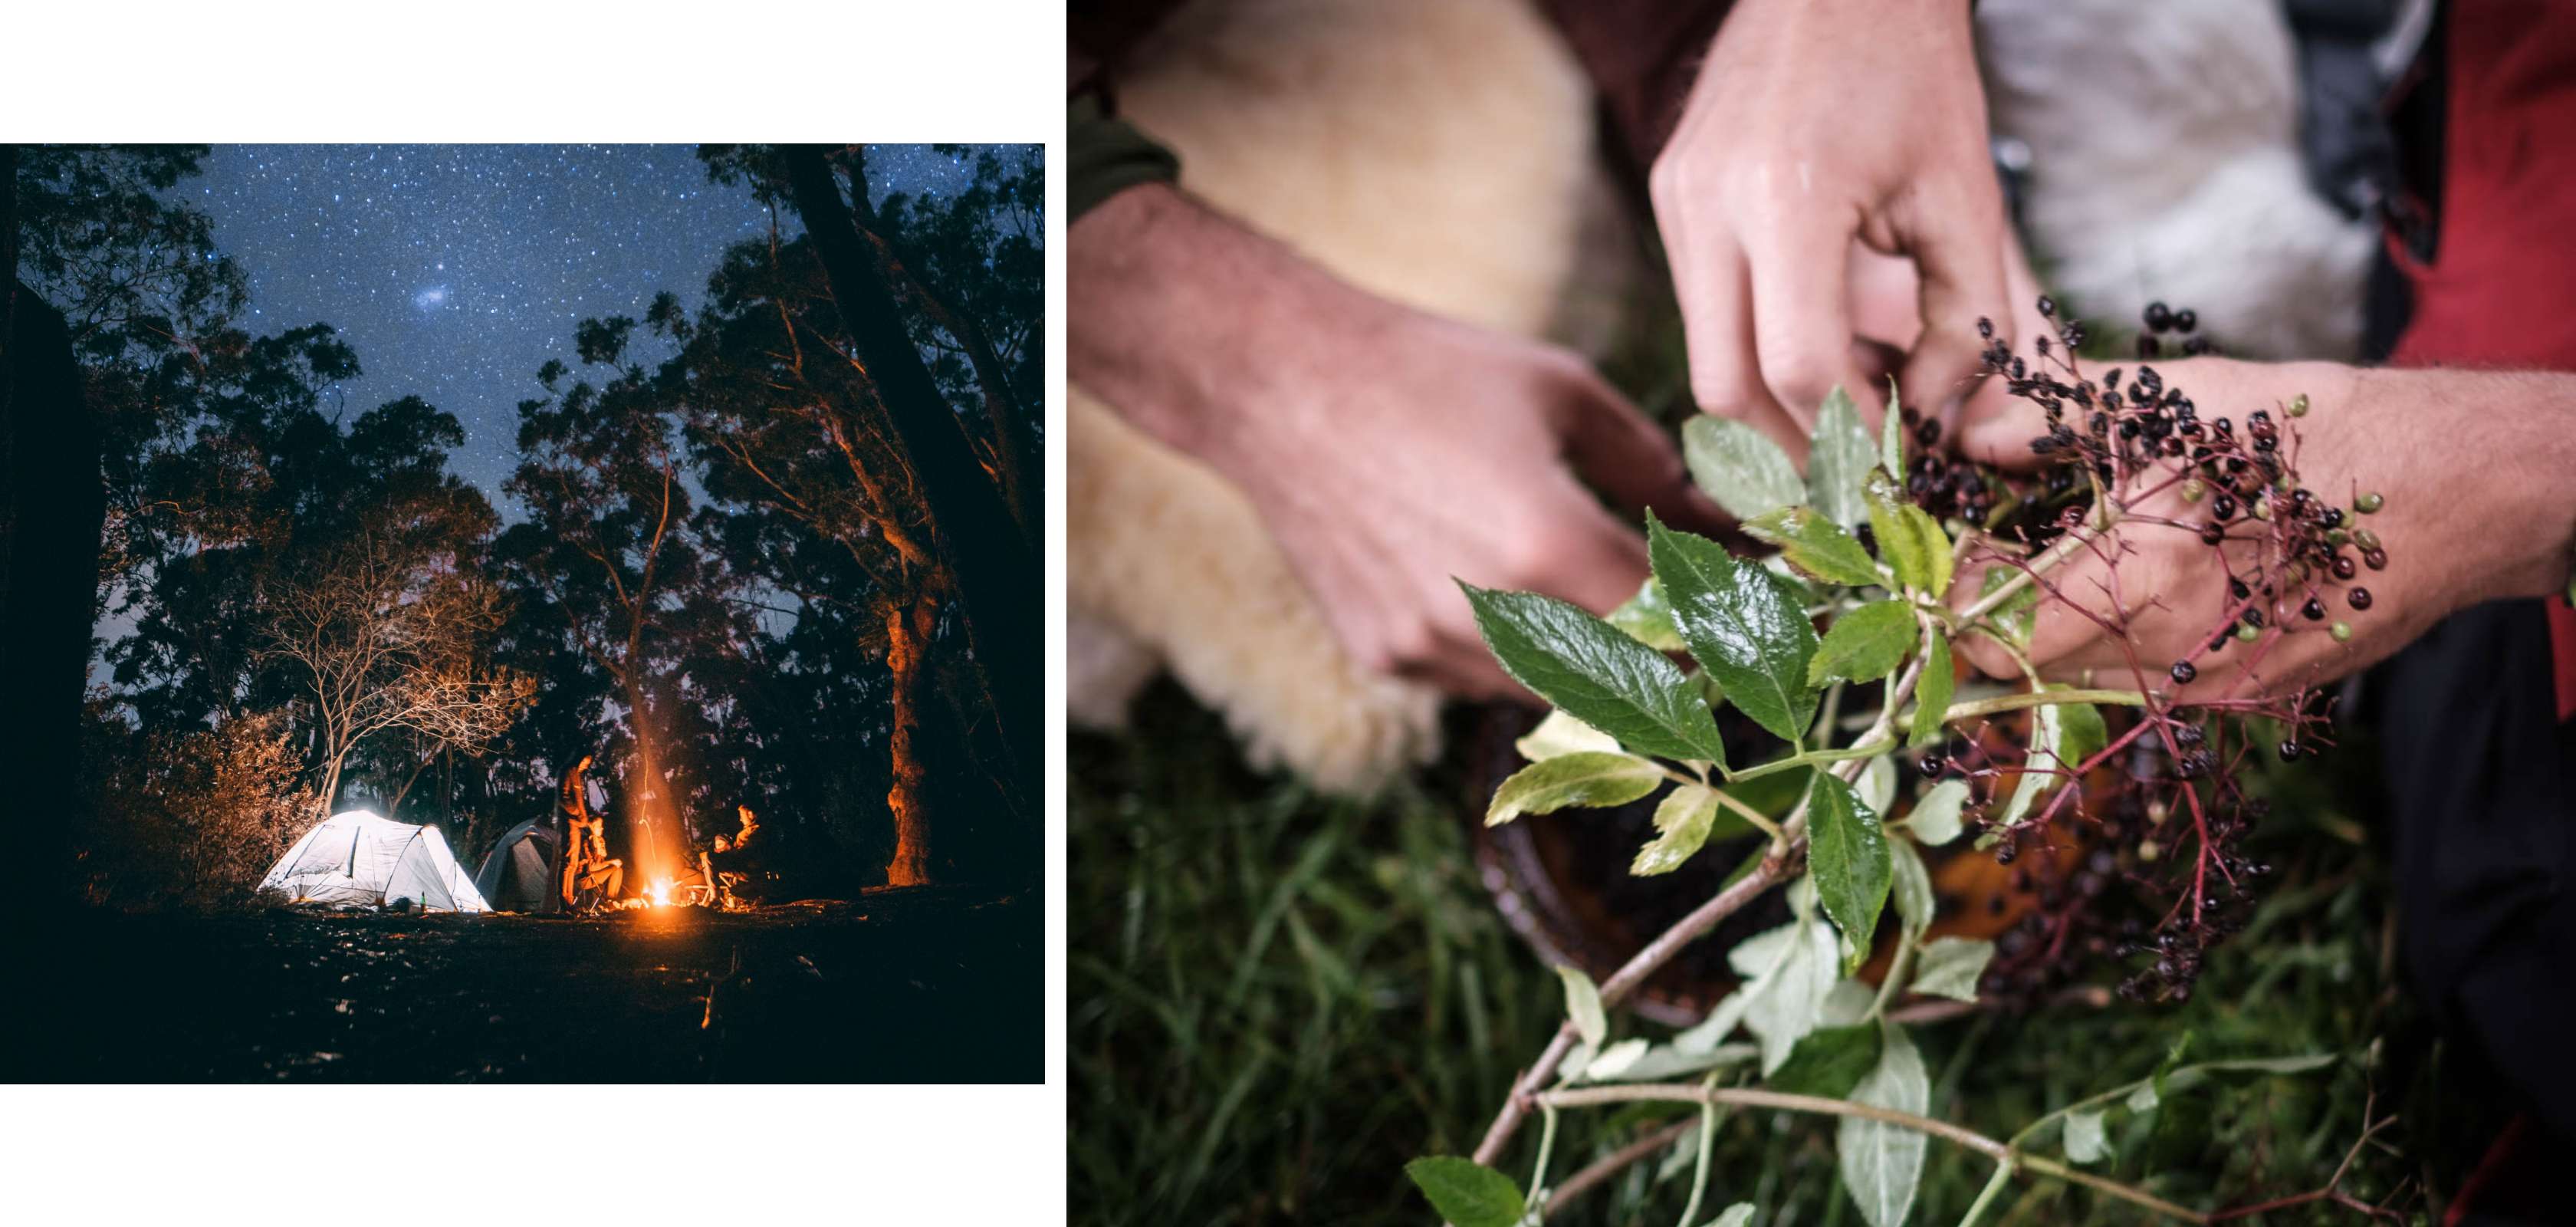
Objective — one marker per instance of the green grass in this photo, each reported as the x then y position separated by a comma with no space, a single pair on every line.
1277,999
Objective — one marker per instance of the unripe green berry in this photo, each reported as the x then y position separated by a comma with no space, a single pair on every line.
2365,538
2262,509
2369,503
2299,405
2248,634
2338,538
2342,632
2194,490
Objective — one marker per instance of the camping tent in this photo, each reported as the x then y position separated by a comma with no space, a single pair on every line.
519,875
357,857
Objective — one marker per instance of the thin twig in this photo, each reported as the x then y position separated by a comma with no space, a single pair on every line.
1600,1170
1593,1096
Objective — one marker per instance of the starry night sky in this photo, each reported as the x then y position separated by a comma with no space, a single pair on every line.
455,271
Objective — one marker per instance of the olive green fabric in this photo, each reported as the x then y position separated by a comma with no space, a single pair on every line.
1108,155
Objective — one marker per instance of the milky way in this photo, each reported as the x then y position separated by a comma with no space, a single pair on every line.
455,271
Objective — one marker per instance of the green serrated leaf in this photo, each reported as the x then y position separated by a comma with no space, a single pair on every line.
1739,466
1847,856
1686,820
1891,433
1934,820
1585,777
1932,693
1912,889
2038,778
1864,645
1815,545
1788,971
1877,784
1616,1060
2081,734
1950,967
1583,1005
1908,537
1647,619
1466,1193
1595,672
1882,1164
1829,1061
1563,734
2013,617
2085,1139
1842,453
1741,626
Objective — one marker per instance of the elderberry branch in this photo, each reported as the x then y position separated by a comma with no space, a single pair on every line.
1756,1097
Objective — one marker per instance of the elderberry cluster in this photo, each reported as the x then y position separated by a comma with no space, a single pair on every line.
2170,822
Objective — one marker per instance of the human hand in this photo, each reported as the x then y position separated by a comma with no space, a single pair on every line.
1813,124
1389,451
2470,470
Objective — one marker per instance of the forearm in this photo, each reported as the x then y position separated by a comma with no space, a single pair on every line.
1182,316
2477,468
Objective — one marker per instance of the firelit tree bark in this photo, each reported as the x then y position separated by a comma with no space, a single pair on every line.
908,630
56,507
998,577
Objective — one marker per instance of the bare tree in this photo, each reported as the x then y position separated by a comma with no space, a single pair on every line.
383,643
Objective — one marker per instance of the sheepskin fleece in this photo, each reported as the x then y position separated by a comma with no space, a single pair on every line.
1437,152
2165,165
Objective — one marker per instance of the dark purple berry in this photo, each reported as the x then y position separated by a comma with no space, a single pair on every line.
2358,598
2183,672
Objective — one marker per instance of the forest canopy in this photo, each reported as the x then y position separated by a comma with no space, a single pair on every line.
755,550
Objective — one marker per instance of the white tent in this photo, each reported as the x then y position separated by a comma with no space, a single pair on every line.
357,857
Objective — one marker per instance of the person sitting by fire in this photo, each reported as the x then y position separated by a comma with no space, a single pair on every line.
735,874
590,874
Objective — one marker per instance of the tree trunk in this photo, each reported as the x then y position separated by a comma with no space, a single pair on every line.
908,632
55,509
331,784
999,581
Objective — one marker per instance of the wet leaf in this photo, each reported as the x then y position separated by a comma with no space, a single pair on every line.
1595,672
1864,645
1648,618
1828,1061
1841,454
1950,967
1816,546
1848,859
1934,820
1684,821
1561,734
1882,1164
1932,693
1585,777
1741,627
1466,1193
1739,466
2085,1141
1583,1005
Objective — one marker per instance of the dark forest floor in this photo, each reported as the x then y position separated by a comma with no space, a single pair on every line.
934,984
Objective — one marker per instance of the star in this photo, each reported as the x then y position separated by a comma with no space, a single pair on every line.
543,237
